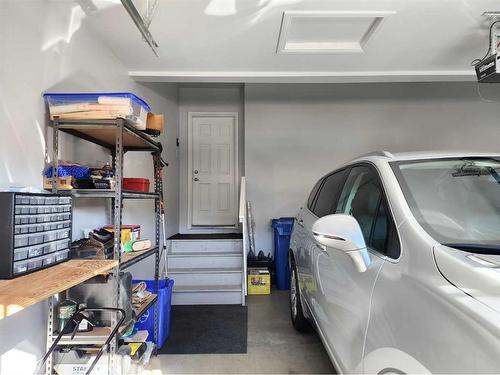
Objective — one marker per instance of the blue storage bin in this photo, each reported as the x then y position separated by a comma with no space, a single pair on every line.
146,321
282,228
76,171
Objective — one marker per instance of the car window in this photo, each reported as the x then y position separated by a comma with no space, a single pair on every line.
329,193
363,198
314,191
455,200
380,233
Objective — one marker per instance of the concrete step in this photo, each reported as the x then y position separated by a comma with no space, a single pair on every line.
205,260
205,270
208,288
206,294
206,276
206,246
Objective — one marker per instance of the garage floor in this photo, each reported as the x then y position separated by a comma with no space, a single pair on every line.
273,346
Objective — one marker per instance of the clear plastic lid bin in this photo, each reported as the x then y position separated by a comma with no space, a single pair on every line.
98,106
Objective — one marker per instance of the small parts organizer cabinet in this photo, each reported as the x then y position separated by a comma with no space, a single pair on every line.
36,232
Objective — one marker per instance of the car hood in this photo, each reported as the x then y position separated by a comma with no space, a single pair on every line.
476,274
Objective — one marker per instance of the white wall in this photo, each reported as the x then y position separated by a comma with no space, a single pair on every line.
45,46
296,133
205,98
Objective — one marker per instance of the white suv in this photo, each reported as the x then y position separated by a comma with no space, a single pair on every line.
395,260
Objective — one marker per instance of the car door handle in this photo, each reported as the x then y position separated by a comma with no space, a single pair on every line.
300,222
322,250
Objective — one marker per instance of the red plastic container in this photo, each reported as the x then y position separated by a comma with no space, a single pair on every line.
136,184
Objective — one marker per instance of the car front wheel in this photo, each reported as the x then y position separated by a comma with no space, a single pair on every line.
299,321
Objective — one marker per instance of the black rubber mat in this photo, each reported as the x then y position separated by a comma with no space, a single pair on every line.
207,329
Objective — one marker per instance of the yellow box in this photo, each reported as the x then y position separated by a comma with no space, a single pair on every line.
258,281
129,232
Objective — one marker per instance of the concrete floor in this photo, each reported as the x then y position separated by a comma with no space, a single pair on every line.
273,347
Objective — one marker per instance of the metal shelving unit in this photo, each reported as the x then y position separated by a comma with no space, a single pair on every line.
118,137
97,193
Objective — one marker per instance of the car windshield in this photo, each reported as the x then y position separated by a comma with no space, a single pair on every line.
457,201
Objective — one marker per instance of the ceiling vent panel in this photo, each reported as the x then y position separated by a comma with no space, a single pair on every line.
318,32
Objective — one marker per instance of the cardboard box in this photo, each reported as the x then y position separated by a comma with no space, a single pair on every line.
258,281
63,183
129,232
155,122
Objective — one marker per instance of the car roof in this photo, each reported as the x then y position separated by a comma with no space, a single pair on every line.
386,156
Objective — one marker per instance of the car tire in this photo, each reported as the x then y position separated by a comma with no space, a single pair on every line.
299,321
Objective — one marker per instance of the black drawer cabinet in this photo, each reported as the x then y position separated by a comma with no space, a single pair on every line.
35,232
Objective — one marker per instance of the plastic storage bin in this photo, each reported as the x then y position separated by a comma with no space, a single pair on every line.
258,281
146,321
282,231
98,106
36,232
136,184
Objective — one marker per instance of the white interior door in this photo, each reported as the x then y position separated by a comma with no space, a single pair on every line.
213,169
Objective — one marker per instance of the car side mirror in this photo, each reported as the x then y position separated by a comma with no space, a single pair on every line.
343,233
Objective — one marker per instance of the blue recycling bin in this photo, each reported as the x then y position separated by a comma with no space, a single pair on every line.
282,228
146,321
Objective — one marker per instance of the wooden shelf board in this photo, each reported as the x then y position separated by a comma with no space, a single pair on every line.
103,132
128,259
24,291
97,336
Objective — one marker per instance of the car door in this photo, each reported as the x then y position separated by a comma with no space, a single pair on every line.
324,204
344,293
299,240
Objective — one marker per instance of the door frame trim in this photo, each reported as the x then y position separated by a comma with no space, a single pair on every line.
191,115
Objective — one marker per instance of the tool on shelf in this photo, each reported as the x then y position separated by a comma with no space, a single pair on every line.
163,251
160,164
75,321
65,312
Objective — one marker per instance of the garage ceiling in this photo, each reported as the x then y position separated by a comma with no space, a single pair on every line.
238,40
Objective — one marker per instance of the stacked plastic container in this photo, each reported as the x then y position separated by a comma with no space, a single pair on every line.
36,232
98,106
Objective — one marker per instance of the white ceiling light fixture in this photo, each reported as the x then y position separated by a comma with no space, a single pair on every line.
221,8
328,32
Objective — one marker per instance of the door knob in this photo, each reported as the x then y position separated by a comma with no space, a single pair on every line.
195,171
196,179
